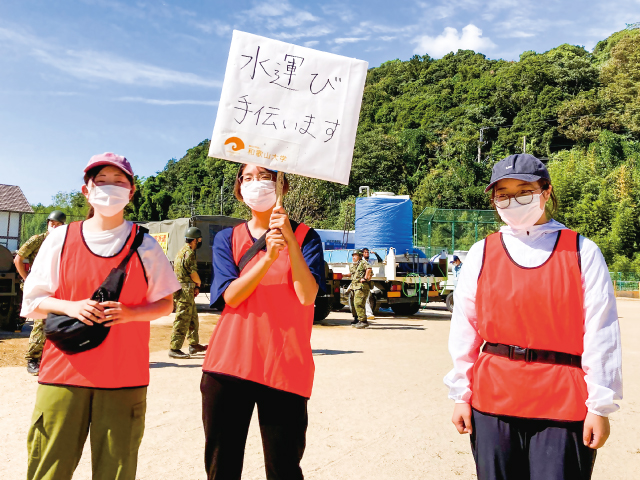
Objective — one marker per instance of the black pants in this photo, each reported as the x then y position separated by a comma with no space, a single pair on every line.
227,406
510,448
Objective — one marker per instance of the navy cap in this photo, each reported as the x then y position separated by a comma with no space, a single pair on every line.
455,259
521,166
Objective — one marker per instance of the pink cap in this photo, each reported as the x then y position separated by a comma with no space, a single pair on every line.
109,158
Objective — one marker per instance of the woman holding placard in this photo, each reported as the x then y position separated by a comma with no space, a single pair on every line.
268,271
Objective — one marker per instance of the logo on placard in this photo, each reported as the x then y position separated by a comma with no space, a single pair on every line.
261,153
238,144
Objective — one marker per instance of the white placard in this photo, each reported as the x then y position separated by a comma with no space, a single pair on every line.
289,108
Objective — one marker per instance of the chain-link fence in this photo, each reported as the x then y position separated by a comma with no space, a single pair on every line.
438,229
626,286
35,223
624,277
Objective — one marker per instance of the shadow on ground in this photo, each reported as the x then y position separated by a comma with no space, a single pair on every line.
394,326
334,352
167,364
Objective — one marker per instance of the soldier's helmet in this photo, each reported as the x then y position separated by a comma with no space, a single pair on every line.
193,233
357,252
57,216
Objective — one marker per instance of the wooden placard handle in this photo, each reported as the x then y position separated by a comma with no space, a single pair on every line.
279,188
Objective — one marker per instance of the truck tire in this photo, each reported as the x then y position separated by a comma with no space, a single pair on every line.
322,308
405,309
449,302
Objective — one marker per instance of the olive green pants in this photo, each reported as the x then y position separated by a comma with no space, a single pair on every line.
360,300
63,418
36,341
186,322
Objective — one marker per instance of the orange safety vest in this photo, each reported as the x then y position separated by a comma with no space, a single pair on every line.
267,338
538,307
122,360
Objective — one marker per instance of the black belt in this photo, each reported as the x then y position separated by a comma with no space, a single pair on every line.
513,352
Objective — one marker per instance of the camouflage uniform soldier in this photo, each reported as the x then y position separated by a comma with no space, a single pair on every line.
29,251
360,273
186,321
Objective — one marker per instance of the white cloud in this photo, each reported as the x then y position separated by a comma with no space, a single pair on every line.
450,41
311,43
142,10
339,10
276,16
213,26
92,65
296,19
316,31
341,41
153,101
89,65
270,9
518,34
366,28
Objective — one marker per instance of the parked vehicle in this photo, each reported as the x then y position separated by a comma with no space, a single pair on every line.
403,282
10,293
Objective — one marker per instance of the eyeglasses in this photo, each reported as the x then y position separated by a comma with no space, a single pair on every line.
263,177
525,197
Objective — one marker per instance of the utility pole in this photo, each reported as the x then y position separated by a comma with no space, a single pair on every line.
192,206
480,143
524,144
221,198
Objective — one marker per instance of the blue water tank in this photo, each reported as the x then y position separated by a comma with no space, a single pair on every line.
384,221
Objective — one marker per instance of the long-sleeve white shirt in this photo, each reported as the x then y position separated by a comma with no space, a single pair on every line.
44,278
601,359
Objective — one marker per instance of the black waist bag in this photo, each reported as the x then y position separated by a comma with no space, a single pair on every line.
72,336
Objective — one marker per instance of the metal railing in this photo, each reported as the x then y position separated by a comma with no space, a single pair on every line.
626,286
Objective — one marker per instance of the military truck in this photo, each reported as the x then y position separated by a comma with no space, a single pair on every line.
402,282
170,236
10,293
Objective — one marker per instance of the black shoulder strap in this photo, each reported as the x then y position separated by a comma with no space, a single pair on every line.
260,244
253,251
137,241
112,285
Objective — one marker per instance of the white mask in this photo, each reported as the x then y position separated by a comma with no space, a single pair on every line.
521,217
259,195
109,200
51,228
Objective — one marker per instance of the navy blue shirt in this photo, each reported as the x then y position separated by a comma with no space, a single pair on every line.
226,271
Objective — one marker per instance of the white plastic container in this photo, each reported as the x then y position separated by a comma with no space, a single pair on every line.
390,267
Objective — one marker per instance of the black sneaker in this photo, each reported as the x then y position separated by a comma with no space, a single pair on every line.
178,354
355,322
197,348
362,324
33,367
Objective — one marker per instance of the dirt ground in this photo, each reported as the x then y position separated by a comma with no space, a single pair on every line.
379,409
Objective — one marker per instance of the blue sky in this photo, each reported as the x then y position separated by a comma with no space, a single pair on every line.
142,78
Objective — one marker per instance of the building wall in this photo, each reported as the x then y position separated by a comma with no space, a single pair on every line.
10,230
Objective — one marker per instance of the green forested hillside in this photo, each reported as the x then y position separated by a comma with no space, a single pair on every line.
421,126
